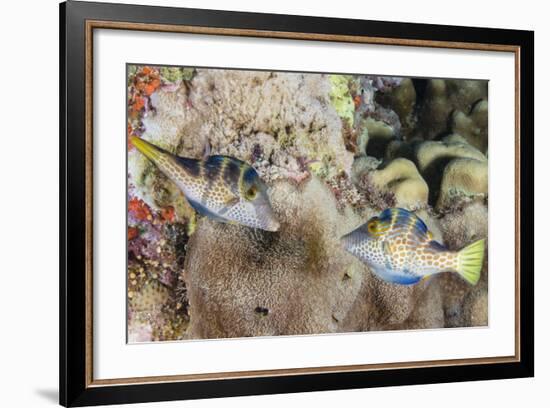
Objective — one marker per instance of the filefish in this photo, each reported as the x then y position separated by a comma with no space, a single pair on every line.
222,188
397,247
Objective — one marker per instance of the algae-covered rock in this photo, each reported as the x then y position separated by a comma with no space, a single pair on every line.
465,225
153,314
443,97
432,153
399,148
475,307
341,98
380,135
432,158
245,282
463,179
383,306
473,127
402,99
403,180
446,172
363,165
176,74
428,312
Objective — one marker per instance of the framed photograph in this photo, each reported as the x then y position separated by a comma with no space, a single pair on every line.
256,204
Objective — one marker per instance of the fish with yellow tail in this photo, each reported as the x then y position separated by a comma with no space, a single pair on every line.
220,187
397,247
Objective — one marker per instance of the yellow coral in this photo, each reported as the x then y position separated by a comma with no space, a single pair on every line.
340,97
401,177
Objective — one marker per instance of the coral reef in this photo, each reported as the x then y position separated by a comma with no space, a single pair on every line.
301,279
462,179
335,150
402,179
283,124
443,97
156,250
473,127
402,100
453,169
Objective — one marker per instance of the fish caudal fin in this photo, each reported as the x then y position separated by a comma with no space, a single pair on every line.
470,261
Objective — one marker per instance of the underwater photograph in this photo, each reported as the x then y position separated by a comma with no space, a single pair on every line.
267,203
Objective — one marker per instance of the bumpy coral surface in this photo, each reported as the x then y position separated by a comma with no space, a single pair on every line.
334,151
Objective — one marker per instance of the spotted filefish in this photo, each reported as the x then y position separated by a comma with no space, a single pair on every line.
222,188
397,247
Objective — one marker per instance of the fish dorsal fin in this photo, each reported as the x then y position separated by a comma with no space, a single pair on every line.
397,216
400,217
191,166
218,159
387,214
213,167
421,227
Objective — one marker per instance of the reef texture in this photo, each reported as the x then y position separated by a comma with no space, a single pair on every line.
334,150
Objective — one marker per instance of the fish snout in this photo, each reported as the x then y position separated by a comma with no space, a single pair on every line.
267,218
273,225
149,150
270,221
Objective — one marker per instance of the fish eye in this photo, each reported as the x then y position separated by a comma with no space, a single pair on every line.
251,193
371,226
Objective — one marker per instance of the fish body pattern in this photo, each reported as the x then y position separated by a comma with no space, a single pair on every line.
222,188
397,247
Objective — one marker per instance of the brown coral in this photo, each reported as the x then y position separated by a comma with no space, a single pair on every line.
473,127
403,180
300,278
441,98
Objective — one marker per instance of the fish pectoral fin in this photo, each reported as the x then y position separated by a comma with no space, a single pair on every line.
406,280
394,277
231,200
203,210
399,279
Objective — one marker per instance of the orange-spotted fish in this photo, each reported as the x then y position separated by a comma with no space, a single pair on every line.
220,187
398,248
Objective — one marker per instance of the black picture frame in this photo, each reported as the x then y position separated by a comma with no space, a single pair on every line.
76,389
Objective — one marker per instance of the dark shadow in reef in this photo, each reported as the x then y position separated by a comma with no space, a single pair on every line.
433,174
377,146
